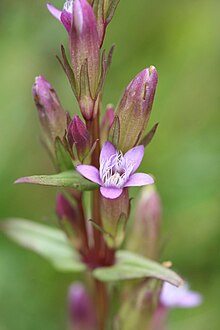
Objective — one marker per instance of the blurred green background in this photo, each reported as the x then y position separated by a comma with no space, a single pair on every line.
181,38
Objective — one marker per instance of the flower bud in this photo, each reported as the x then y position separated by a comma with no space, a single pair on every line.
85,55
79,135
135,107
81,310
52,116
145,234
115,213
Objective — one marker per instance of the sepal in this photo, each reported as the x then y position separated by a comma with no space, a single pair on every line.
149,136
114,132
68,71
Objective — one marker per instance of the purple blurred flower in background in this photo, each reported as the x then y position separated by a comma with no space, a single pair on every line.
81,309
116,170
172,297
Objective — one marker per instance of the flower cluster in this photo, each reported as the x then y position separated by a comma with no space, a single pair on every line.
102,157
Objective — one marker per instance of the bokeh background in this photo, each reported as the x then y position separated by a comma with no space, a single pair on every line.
181,38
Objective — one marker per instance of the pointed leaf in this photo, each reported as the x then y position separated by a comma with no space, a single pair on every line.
133,266
68,70
114,133
111,10
109,58
147,139
65,179
50,243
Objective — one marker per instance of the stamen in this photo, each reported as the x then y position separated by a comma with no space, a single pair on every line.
68,6
116,170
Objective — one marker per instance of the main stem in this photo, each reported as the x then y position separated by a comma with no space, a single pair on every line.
102,304
96,215
100,246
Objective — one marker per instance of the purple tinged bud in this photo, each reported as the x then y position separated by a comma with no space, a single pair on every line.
84,46
146,231
79,135
81,310
135,107
65,210
52,116
115,213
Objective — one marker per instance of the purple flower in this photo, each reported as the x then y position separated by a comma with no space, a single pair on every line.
172,297
65,15
81,308
116,170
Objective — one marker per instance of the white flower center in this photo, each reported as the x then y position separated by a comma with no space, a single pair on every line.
115,171
68,6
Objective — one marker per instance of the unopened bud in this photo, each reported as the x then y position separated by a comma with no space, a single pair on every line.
52,116
81,310
146,231
135,108
79,135
85,55
115,213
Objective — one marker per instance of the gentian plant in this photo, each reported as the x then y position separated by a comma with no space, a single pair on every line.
101,157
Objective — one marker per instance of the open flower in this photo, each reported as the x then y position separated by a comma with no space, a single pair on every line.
116,170
172,297
65,15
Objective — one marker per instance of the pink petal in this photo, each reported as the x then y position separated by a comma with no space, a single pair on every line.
66,20
172,297
89,172
110,193
107,151
54,11
135,155
139,179
191,299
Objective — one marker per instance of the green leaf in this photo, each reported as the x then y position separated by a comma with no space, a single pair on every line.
65,179
46,241
147,139
112,5
114,133
133,266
